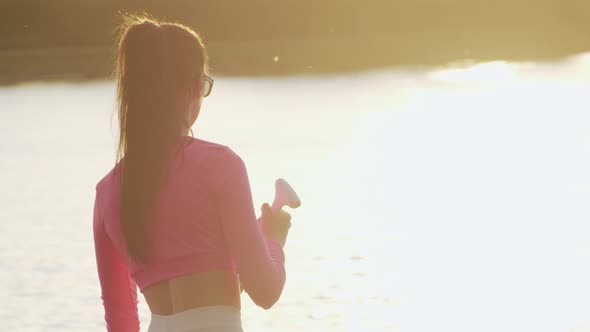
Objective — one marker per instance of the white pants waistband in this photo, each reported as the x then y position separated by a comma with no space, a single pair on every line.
202,319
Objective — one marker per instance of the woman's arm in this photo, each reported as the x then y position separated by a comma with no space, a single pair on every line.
119,292
260,260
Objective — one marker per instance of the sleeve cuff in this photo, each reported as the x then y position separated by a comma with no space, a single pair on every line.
276,251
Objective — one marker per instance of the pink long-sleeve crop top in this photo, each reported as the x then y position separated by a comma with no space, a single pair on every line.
204,220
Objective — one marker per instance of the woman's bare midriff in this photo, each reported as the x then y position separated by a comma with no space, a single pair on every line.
190,291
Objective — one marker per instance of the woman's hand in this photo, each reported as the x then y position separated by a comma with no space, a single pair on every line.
275,225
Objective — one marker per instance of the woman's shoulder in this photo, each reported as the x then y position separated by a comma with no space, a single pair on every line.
110,178
211,151
202,152
215,161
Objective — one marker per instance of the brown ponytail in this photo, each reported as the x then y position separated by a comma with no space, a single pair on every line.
158,65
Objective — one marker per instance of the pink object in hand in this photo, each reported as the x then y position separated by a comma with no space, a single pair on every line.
284,195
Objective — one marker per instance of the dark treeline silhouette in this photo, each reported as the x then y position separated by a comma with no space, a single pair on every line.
64,23
74,38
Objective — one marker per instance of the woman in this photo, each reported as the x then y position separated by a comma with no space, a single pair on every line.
175,215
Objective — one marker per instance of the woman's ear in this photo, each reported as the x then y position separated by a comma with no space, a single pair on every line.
196,91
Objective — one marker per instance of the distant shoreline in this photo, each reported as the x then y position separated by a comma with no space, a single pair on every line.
301,57
305,37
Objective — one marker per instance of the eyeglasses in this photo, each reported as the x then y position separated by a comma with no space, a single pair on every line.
207,85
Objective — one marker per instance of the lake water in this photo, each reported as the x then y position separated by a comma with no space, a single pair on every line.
450,199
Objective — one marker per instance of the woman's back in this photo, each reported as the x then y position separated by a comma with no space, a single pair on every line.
186,232
204,232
